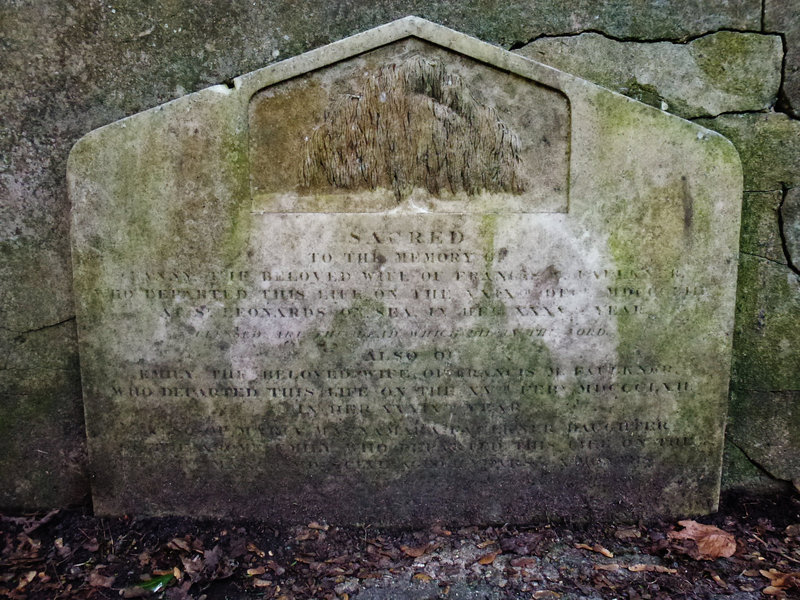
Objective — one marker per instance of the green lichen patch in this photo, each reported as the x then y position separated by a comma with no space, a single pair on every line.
768,144
716,73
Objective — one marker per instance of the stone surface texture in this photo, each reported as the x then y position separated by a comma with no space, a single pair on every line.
69,68
763,417
769,145
781,16
516,359
712,74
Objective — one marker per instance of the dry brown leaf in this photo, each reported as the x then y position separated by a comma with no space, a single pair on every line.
793,530
719,581
712,542
320,527
608,567
782,580
627,533
26,579
261,583
751,573
523,561
98,580
485,544
179,544
257,571
422,577
771,590
416,552
488,559
596,548
638,568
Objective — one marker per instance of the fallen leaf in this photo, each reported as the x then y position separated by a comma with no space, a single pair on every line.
627,533
712,542
26,579
488,559
523,561
485,544
751,573
179,544
719,581
98,580
251,547
596,548
546,595
257,571
608,567
771,590
156,584
261,583
422,577
639,568
781,580
415,552
315,525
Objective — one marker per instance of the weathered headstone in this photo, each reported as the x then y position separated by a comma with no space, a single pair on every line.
405,277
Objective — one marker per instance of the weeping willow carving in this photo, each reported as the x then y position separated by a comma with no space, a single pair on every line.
412,125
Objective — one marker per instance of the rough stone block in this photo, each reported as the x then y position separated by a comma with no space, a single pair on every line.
761,232
781,16
713,74
768,144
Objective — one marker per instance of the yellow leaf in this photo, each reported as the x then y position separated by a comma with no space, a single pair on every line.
488,559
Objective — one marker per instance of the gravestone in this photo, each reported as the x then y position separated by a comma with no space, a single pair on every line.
402,278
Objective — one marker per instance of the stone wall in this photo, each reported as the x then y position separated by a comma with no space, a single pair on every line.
70,67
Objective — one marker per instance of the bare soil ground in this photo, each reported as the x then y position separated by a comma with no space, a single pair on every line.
749,550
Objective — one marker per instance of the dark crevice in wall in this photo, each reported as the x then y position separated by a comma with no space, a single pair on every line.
763,258
733,113
763,14
747,389
37,329
782,232
783,104
679,40
754,462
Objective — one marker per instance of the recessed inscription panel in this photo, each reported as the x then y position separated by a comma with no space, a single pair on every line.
303,305
409,127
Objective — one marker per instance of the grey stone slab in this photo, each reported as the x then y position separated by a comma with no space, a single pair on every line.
281,315
782,16
790,226
768,144
761,231
720,72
